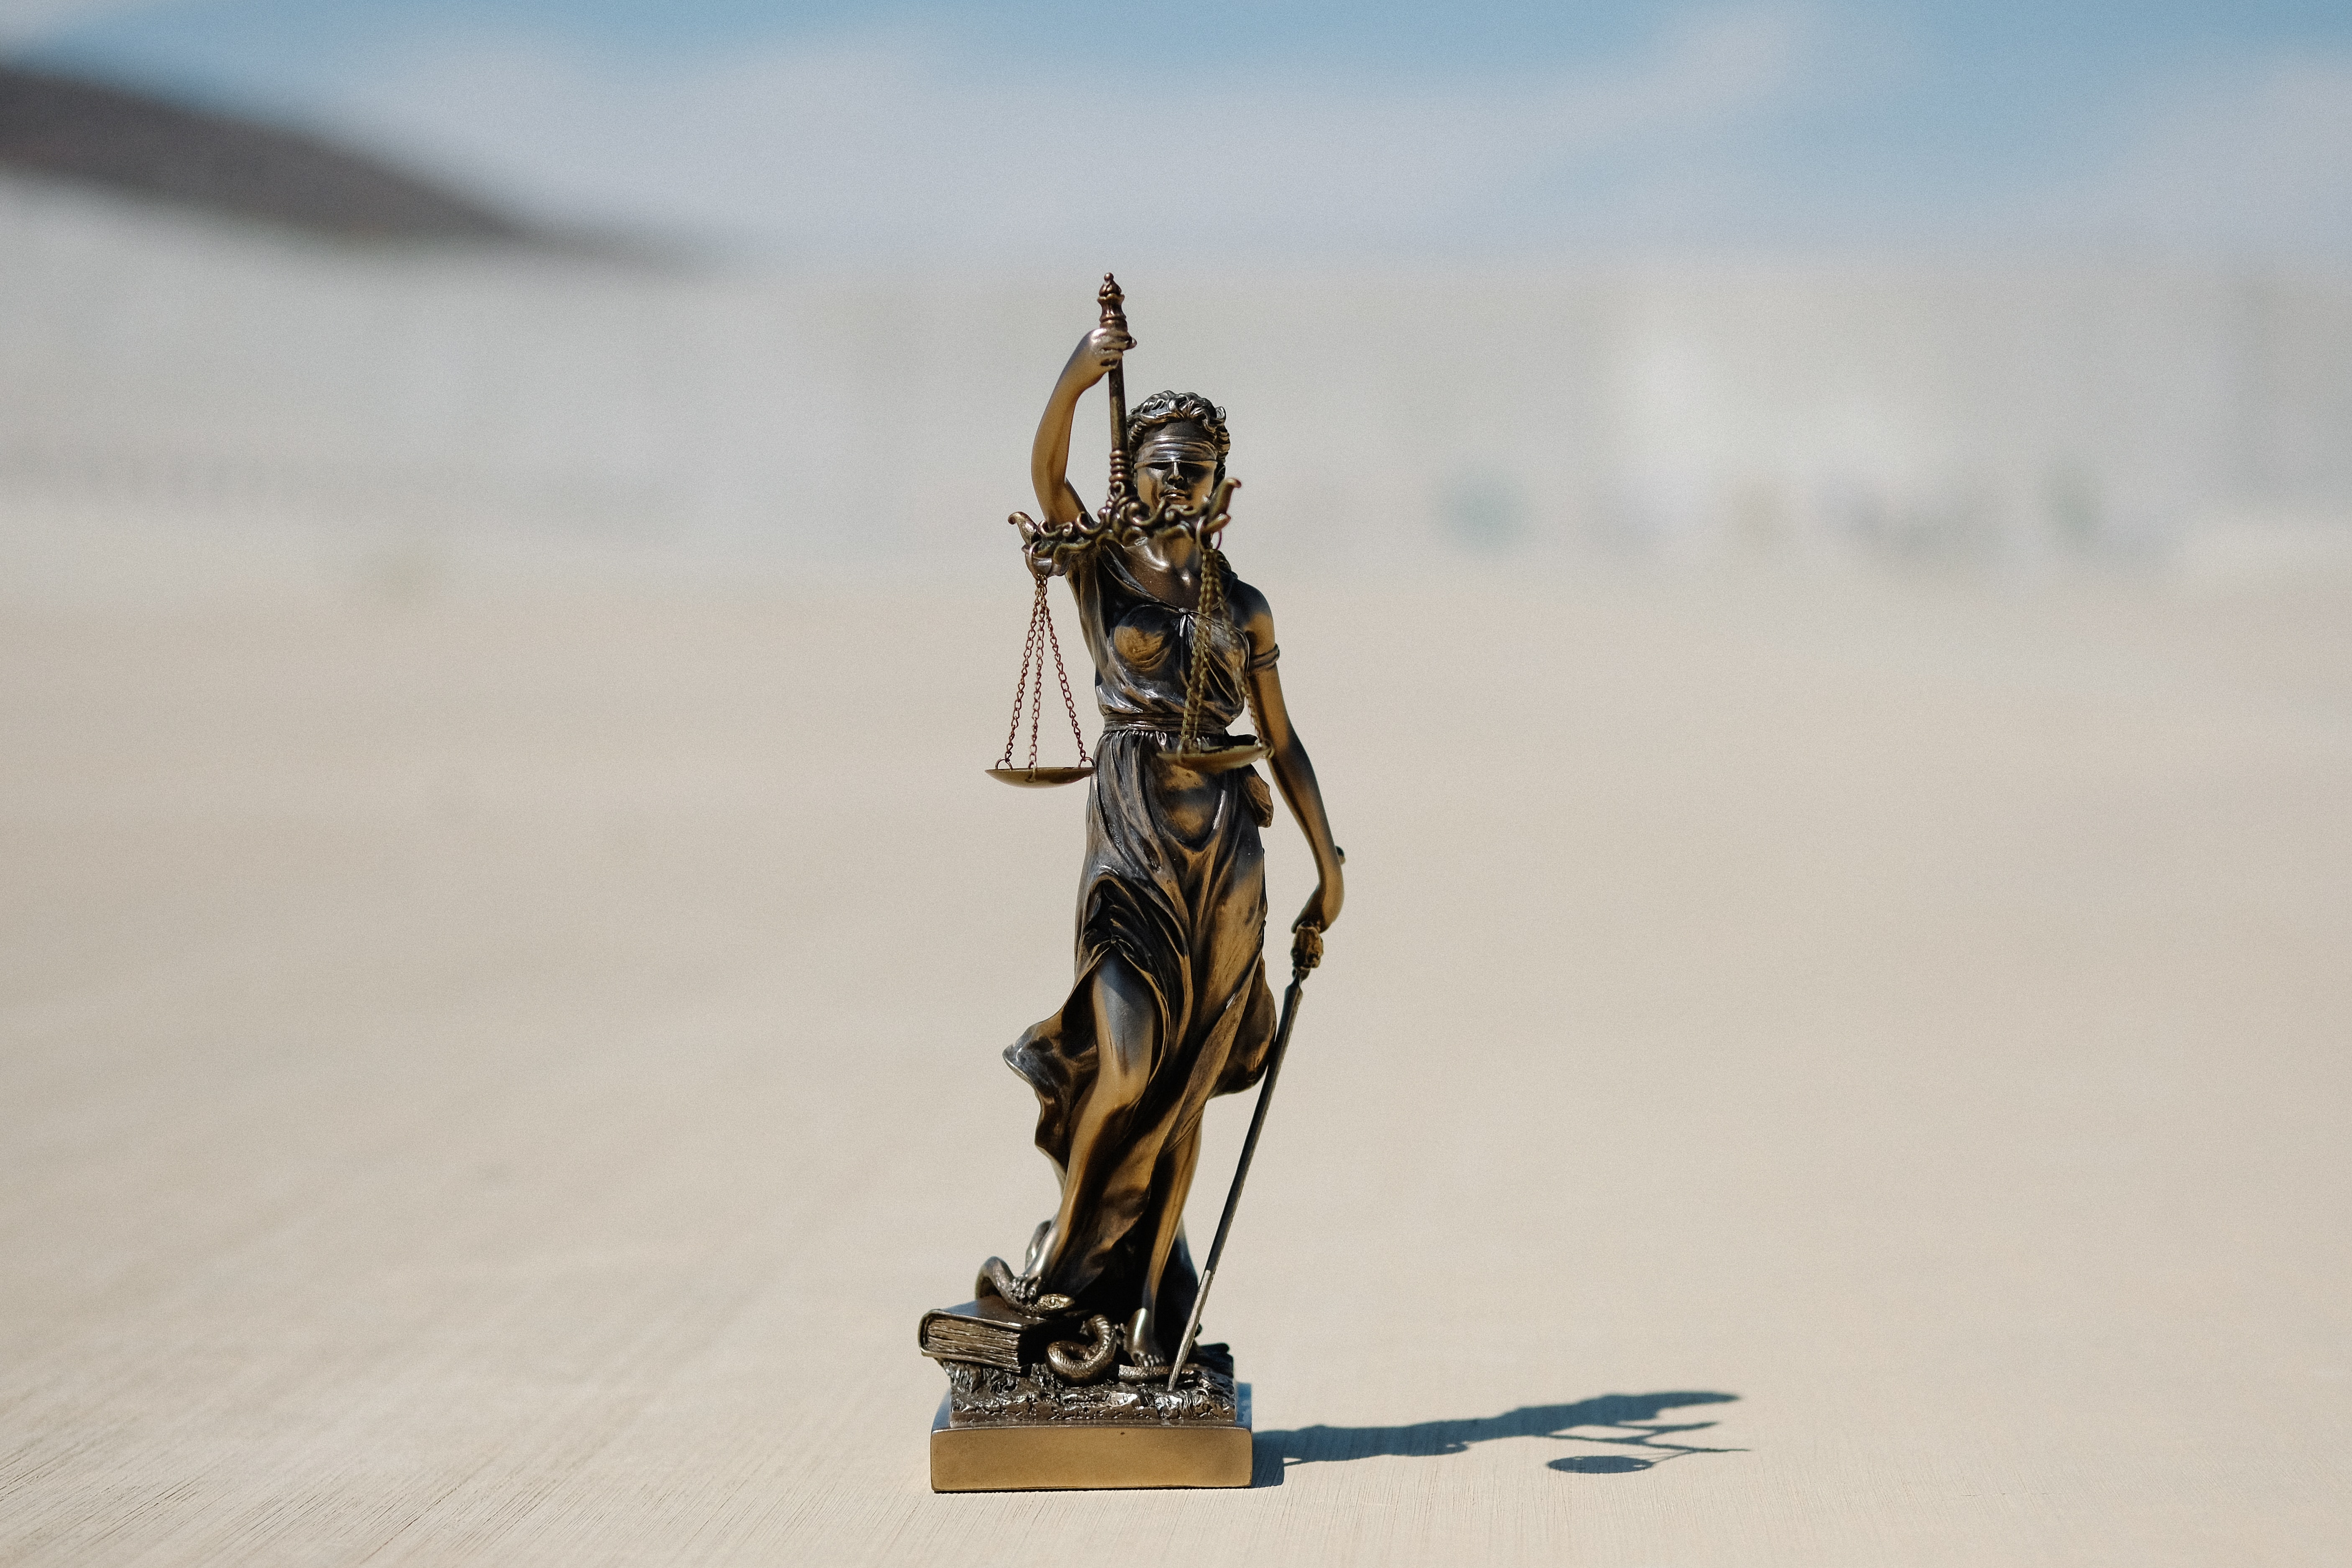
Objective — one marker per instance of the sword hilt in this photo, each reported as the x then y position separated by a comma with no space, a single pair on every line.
1114,316
1113,302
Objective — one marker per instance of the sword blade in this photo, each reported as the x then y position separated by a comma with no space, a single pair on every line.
1241,1169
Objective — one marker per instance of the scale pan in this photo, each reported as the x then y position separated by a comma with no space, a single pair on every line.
1224,759
1040,778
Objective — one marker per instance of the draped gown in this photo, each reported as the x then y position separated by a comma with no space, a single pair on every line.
1186,910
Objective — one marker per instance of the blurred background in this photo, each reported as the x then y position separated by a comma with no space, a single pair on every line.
422,290
1814,548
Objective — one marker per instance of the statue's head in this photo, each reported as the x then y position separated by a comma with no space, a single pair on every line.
1176,446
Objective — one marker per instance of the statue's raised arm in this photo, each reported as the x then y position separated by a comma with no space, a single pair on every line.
1099,354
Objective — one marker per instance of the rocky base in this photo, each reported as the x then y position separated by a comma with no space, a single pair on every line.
993,1397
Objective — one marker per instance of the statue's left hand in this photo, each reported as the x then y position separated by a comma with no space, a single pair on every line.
1323,909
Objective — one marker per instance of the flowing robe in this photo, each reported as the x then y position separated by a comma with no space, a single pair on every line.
1186,910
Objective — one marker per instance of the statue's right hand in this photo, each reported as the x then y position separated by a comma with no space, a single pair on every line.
1098,352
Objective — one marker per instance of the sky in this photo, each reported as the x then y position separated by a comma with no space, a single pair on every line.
1219,131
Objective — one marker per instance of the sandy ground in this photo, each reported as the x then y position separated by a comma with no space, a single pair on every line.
1805,1076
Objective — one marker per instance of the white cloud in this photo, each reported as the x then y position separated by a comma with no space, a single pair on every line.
895,143
1787,122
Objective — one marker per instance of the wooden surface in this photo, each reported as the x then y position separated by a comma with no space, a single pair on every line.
1803,1078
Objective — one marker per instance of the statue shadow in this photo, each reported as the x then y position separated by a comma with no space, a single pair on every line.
1627,1423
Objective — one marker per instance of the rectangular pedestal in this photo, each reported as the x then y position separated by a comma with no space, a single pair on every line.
1069,1457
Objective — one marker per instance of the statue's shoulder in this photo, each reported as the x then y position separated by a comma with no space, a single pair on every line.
1247,602
1253,616
1081,566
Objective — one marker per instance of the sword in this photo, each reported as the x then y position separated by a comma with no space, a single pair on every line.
1114,314
1305,952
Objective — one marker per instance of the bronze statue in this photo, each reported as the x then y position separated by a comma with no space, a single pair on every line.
1171,1006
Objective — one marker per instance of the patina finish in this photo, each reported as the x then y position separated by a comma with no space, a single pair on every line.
1170,1006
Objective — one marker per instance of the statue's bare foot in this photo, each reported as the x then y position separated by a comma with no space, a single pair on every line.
1144,1362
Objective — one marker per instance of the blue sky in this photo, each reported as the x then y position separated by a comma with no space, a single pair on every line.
1223,131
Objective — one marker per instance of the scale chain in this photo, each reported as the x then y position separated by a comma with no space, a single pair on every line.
1037,679
1021,687
1069,703
1029,685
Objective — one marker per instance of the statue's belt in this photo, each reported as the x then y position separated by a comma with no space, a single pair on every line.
1166,728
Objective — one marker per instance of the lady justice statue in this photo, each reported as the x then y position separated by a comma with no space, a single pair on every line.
1170,1005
